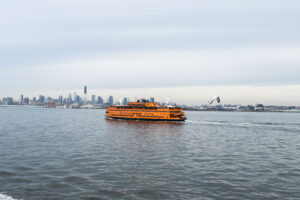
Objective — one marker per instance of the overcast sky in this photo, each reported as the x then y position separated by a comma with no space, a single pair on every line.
245,51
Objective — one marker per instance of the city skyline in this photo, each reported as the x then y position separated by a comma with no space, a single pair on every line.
98,102
187,92
247,52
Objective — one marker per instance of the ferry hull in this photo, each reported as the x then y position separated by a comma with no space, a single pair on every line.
145,119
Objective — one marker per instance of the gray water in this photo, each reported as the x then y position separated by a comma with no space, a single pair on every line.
77,154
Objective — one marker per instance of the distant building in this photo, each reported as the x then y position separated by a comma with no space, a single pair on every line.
21,98
42,99
110,100
124,101
85,94
78,99
26,100
151,99
259,107
8,101
60,99
250,108
34,100
246,108
69,99
48,100
74,97
100,100
93,99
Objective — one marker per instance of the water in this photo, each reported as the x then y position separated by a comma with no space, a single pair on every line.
77,154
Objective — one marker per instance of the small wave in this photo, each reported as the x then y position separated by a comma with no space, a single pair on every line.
207,122
285,126
5,197
6,173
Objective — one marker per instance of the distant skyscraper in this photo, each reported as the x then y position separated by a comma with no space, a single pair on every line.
60,99
8,101
151,99
48,100
26,100
78,100
100,100
74,97
42,99
69,99
110,100
85,94
34,100
93,99
21,98
124,101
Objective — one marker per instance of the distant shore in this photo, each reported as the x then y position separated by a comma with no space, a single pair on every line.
186,109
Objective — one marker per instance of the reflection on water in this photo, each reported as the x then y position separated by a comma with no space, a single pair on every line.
144,135
144,127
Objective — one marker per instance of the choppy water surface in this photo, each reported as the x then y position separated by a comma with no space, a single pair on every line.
77,154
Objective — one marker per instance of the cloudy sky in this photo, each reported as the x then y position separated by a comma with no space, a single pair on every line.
245,51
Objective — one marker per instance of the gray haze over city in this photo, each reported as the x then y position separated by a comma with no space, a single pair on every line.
247,52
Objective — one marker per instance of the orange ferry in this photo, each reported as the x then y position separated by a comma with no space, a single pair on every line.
145,110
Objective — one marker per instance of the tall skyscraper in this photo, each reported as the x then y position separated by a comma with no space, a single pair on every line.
124,101
34,100
110,100
21,98
85,94
93,99
26,100
60,99
75,97
78,99
69,99
100,100
41,99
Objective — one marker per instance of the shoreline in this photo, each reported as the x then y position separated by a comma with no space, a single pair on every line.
97,108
